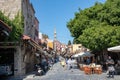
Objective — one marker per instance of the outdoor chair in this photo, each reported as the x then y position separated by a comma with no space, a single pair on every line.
87,70
98,69
81,67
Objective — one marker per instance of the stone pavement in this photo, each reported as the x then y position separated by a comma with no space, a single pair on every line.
59,73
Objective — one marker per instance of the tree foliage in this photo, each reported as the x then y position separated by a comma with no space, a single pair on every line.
5,19
17,28
97,27
45,36
69,42
16,24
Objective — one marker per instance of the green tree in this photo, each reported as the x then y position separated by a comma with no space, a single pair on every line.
45,36
97,27
16,24
69,42
5,19
97,38
17,28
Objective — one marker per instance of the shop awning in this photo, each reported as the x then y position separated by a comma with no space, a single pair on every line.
4,26
36,45
50,44
4,31
32,42
83,54
114,49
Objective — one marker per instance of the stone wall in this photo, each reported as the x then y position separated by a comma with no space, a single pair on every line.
29,17
10,7
19,65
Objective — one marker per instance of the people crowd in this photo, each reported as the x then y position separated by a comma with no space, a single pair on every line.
45,64
112,67
71,62
68,63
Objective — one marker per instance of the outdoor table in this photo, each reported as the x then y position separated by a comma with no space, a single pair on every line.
83,67
92,70
87,70
98,69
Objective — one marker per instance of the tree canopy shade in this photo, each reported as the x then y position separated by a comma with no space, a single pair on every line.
97,27
99,38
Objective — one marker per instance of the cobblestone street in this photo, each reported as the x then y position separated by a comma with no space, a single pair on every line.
59,73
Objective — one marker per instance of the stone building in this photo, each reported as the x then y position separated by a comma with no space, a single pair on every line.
36,22
10,7
24,57
76,47
29,19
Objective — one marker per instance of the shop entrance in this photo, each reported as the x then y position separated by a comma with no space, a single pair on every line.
7,61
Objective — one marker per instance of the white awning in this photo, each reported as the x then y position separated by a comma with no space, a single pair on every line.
78,54
114,49
83,54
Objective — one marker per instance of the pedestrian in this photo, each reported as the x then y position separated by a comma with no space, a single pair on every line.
69,65
44,64
73,63
63,63
51,64
88,61
92,65
111,69
117,67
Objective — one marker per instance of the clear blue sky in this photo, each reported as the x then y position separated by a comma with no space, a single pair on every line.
56,13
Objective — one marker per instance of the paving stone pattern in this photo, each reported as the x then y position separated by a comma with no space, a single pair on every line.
59,73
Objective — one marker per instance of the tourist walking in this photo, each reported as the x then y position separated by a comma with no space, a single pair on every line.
69,63
110,64
63,63
117,67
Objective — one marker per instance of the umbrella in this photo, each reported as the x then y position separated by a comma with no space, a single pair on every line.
114,49
83,54
87,54
78,54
